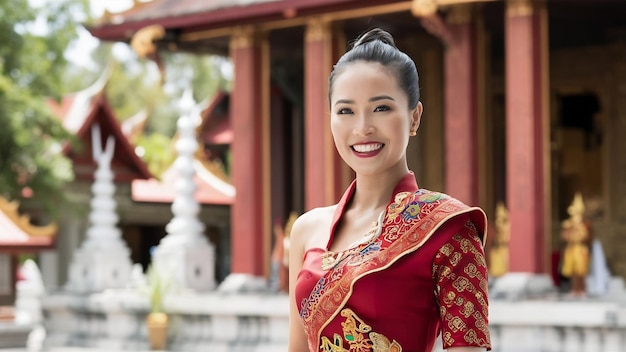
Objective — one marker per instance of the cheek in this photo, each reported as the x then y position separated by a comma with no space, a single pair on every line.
335,130
337,127
399,125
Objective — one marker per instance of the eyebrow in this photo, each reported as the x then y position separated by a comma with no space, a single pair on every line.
372,99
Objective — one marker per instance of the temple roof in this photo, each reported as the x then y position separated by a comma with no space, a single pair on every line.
134,126
181,15
215,127
17,234
156,9
79,112
210,188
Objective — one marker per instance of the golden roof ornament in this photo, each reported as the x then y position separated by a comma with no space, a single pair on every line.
423,8
143,43
10,209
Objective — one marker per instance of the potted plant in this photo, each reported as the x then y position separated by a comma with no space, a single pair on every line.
157,321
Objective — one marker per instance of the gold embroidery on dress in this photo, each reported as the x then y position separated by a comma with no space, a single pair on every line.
335,346
359,336
330,259
477,333
381,343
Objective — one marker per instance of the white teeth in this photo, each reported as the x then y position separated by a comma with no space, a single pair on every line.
365,148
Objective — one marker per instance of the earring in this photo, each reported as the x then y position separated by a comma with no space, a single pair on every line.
412,133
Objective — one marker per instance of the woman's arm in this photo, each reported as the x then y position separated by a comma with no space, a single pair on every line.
460,275
297,337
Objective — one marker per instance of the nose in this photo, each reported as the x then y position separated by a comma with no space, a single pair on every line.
362,126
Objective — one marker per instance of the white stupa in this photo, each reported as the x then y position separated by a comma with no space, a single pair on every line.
185,253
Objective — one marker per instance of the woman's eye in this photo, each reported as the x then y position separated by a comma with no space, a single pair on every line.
344,111
382,108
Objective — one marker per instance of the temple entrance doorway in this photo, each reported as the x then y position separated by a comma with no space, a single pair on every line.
577,162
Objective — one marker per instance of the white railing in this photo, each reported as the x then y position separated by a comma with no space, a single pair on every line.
259,322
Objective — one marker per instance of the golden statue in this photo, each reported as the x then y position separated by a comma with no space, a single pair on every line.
575,233
499,252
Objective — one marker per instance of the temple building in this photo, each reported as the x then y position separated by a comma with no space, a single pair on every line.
143,202
524,105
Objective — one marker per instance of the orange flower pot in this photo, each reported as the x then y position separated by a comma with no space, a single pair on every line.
157,330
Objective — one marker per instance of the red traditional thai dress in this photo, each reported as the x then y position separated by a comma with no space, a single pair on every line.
422,273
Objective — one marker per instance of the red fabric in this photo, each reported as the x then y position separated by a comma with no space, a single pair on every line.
400,301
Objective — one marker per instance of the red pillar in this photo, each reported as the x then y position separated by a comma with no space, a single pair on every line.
461,106
526,133
247,225
321,166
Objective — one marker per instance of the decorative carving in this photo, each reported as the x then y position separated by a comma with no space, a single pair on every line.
423,8
143,41
515,8
11,210
242,37
317,29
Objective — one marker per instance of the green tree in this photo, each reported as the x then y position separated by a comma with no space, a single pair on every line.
32,64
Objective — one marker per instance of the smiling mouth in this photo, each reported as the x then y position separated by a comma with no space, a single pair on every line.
367,148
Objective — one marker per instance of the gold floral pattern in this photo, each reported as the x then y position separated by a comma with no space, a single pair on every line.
460,273
359,337
404,230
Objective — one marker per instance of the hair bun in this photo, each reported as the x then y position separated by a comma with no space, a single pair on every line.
373,35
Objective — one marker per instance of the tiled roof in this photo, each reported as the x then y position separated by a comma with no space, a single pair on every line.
79,112
181,16
157,9
210,188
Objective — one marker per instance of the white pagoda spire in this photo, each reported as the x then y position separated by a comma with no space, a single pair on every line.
102,232
185,251
103,261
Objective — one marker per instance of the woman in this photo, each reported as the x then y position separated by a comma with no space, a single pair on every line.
391,266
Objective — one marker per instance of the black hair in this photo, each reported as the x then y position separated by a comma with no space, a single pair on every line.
377,45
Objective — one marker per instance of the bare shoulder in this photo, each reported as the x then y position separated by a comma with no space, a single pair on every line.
312,228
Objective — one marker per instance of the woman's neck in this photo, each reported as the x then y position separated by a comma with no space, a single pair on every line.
374,192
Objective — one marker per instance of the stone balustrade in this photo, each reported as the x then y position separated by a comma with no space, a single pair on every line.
558,326
259,322
198,322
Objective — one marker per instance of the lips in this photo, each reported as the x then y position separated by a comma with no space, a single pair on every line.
367,149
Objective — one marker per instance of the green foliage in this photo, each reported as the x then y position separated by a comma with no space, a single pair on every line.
158,284
159,153
31,142
135,84
32,63
33,70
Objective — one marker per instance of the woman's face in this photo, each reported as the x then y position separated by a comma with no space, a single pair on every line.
370,119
